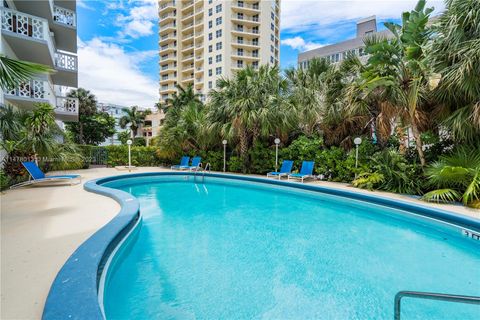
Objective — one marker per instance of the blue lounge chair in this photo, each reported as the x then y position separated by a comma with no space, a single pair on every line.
285,170
37,176
306,171
183,163
196,161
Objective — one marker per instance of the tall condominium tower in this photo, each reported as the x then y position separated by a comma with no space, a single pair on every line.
202,40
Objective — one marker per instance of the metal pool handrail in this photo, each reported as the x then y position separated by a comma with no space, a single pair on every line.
432,296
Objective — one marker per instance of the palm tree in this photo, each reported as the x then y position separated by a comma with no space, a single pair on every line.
87,106
134,117
455,53
15,72
457,176
250,105
41,130
399,70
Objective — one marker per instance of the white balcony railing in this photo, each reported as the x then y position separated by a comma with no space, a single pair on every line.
27,25
67,105
33,89
66,61
64,16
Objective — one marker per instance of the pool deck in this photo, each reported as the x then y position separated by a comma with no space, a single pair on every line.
42,226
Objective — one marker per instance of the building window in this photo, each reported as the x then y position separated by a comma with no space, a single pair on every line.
239,39
272,48
255,64
272,37
218,8
240,27
210,24
240,16
210,48
210,85
255,53
218,58
210,60
240,3
210,1
239,63
255,42
271,60
210,72
240,52
218,46
218,71
218,33
272,26
210,36
255,29
210,12
218,21
273,15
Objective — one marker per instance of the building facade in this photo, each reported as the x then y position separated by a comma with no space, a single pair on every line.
339,51
116,112
202,40
152,125
43,32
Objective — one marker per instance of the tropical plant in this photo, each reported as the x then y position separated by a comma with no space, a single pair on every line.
456,177
398,68
391,172
250,106
455,55
134,117
15,72
93,126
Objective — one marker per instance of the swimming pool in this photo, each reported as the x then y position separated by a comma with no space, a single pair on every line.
231,249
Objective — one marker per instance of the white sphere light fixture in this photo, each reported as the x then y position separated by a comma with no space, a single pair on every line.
277,141
357,140
129,142
224,142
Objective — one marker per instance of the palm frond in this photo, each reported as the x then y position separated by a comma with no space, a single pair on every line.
15,72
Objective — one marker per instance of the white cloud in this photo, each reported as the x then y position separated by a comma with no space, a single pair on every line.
306,15
84,5
139,19
298,43
114,76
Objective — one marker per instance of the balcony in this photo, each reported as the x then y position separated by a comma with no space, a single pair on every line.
39,91
66,65
245,56
187,58
245,7
246,20
61,17
187,48
164,40
245,32
64,16
166,18
167,48
19,29
245,43
166,7
66,109
167,28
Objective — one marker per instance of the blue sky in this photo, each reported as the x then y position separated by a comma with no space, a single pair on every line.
118,39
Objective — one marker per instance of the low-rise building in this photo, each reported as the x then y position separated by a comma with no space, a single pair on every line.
152,125
116,112
339,51
43,32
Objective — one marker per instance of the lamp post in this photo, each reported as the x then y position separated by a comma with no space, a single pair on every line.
224,142
277,141
357,142
129,143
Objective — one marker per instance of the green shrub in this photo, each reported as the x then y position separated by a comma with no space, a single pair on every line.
141,156
215,158
234,164
398,175
262,158
139,141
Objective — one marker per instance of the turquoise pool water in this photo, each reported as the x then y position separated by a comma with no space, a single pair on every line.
239,250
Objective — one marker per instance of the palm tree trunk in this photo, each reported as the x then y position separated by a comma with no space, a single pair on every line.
243,144
418,143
